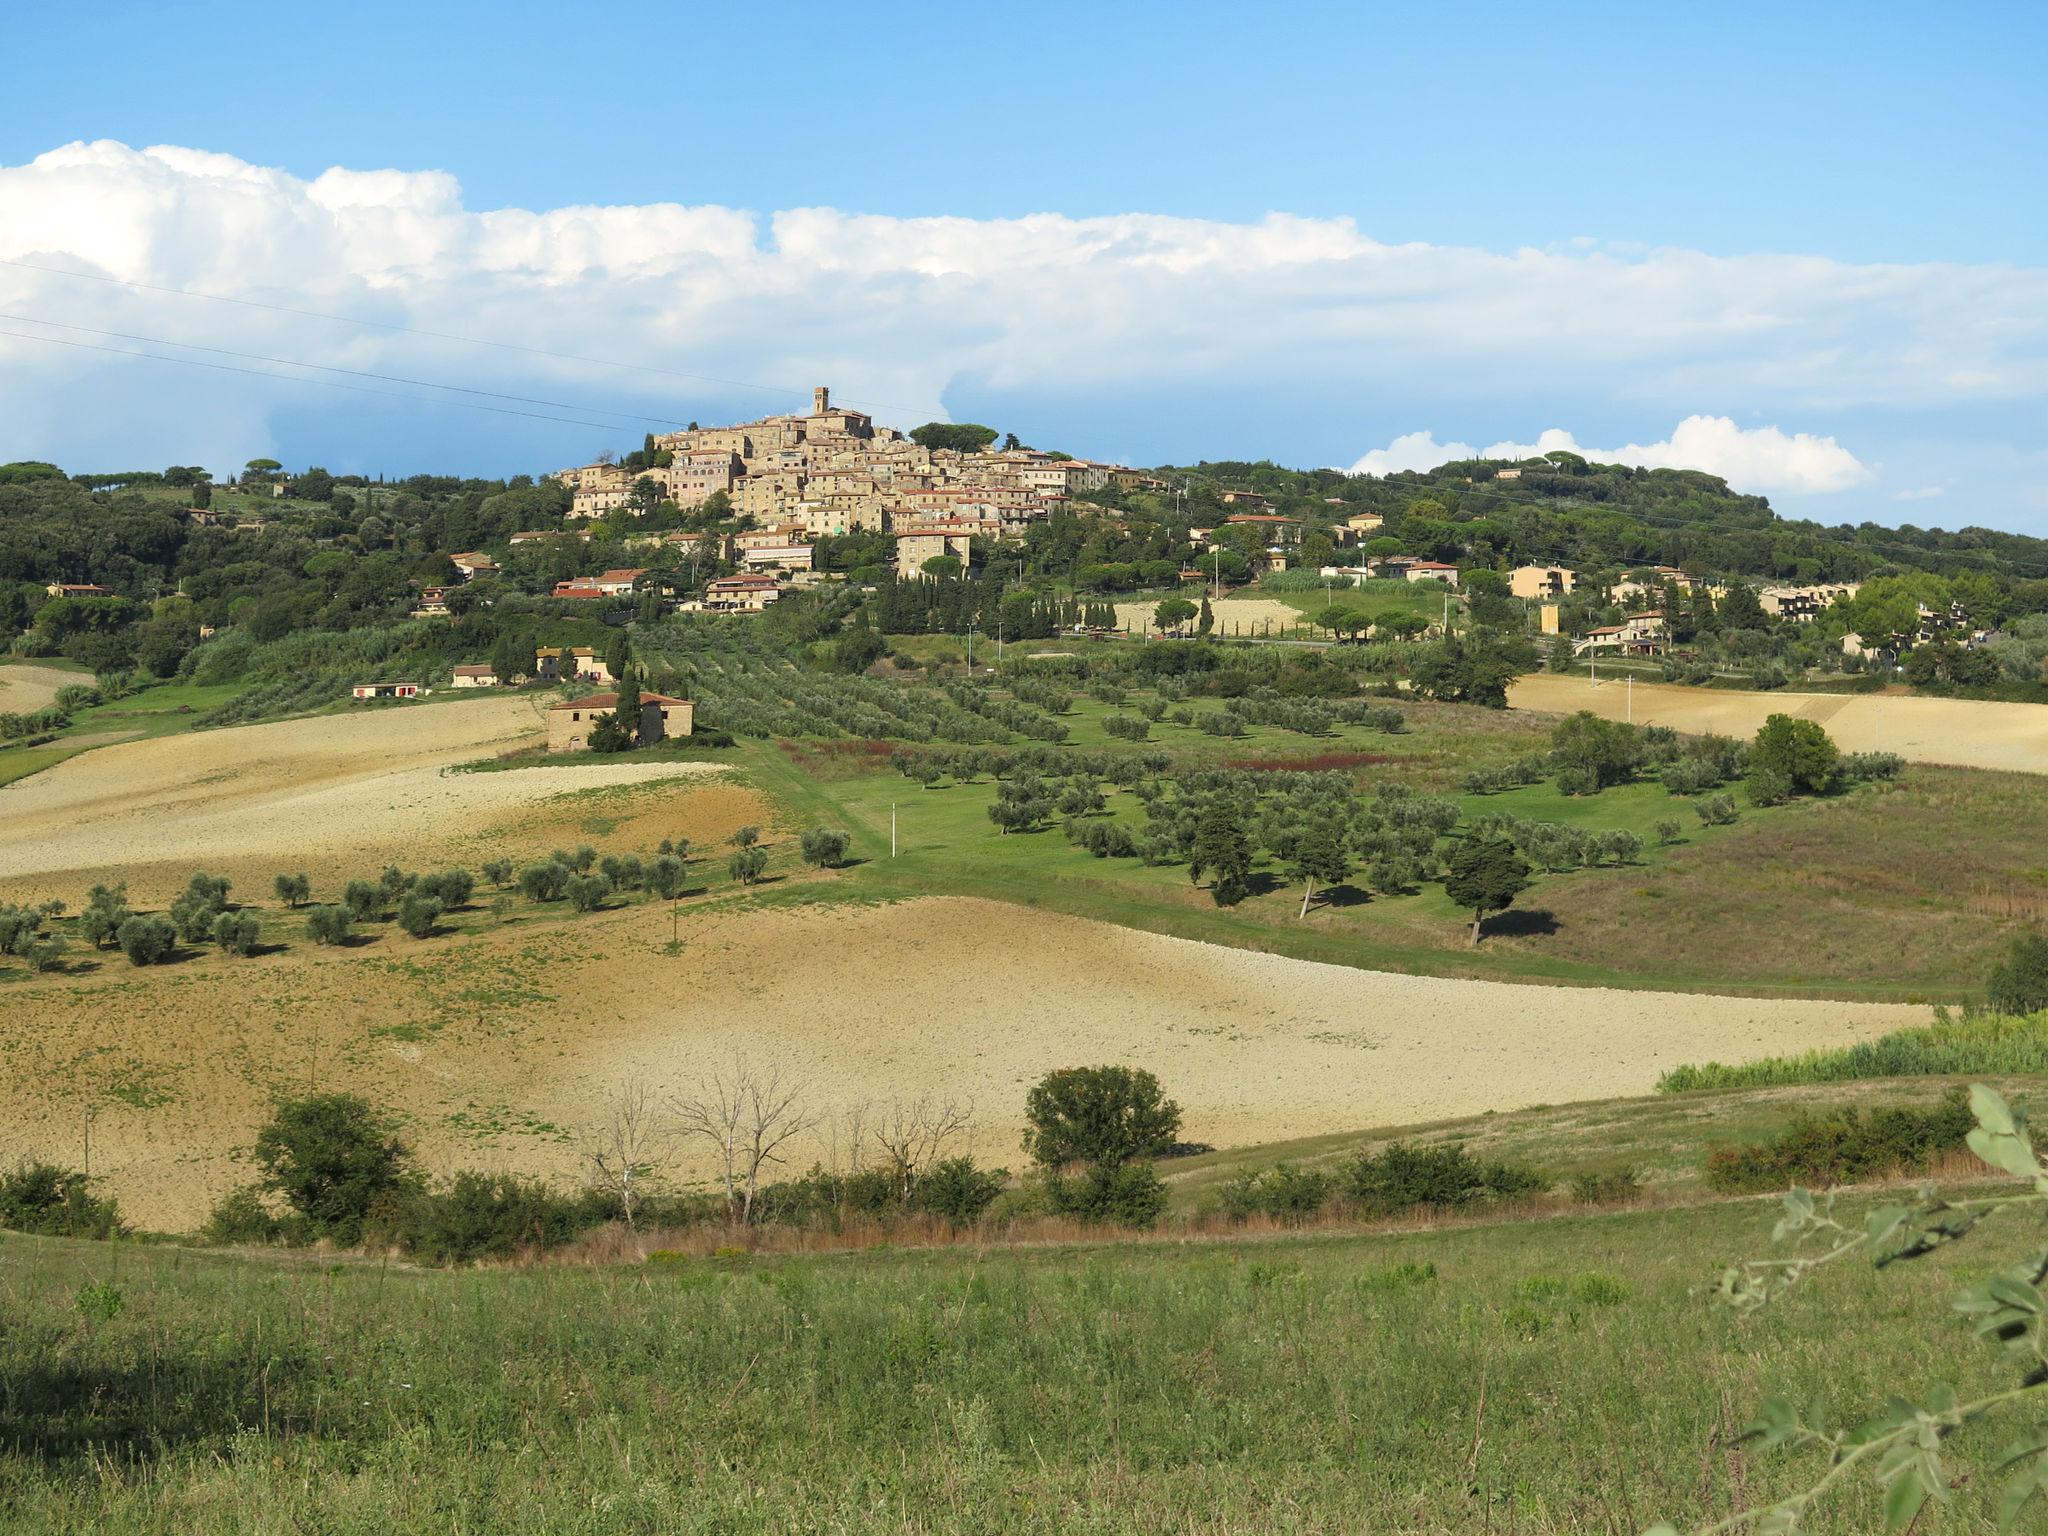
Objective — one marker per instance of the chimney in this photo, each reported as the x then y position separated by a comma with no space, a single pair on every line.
821,400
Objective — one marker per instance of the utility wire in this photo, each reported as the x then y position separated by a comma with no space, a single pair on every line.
259,373
409,330
358,373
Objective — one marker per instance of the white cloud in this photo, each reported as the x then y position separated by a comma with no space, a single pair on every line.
1920,493
1411,450
1749,458
895,310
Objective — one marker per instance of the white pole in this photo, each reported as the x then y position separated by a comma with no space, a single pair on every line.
1631,698
892,829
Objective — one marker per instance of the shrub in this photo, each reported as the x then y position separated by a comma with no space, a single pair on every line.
587,893
293,890
1608,1188
1767,785
1128,1194
956,1191
1127,727
1691,775
242,1216
192,916
824,847
328,925
1798,751
1859,767
498,872
335,1160
1843,1145
418,914
746,864
1403,1177
1716,810
2019,982
146,940
362,900
1667,831
544,882
47,1201
237,933
1283,1192
479,1215
451,887
1977,1044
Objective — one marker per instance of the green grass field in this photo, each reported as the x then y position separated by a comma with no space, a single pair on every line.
1543,1377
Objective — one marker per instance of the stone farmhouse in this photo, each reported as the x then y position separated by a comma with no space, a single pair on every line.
570,723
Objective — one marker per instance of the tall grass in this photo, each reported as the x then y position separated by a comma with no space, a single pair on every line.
1978,1044
1543,1378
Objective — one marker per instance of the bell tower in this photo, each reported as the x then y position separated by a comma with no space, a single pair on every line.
821,400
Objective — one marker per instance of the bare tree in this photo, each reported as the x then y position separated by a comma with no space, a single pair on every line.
748,1116
630,1144
913,1134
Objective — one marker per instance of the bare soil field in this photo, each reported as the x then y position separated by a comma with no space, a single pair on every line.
1963,733
497,1046
334,796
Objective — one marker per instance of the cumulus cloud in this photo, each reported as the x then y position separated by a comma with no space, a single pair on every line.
1920,493
1750,458
895,311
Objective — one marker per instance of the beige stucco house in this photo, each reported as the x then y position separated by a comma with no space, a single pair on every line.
570,723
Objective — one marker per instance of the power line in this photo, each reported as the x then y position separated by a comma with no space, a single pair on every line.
410,330
358,373
358,389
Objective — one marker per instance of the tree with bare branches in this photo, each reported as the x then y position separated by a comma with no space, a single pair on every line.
748,1115
915,1133
630,1144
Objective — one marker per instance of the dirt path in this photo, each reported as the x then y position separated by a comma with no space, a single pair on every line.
1964,733
25,686
335,795
497,1047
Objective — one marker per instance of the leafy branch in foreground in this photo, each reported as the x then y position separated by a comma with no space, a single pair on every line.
1902,1446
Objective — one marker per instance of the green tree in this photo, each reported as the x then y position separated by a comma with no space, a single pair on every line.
1589,753
747,864
335,1160
1319,853
1098,1116
2019,982
1800,750
1485,874
293,890
418,914
959,436
328,925
1222,849
824,847
1173,612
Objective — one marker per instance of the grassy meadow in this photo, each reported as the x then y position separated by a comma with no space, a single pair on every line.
1550,1376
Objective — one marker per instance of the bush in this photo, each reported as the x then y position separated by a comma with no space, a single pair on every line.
237,933
47,1201
1404,1177
1767,785
362,900
587,893
293,890
1609,1188
2019,982
1975,1044
1283,1192
498,872
242,1216
418,914
544,882
335,1160
1797,751
747,864
1128,1194
1127,727
1667,831
146,940
451,887
1843,1145
1716,810
824,847
956,1191
481,1215
1861,767
328,925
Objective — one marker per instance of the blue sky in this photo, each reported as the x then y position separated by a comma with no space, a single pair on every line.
1856,187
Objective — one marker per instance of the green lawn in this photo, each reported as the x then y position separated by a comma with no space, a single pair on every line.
1549,1377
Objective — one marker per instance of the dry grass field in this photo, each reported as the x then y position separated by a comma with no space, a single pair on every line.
1964,733
498,1045
1242,613
25,686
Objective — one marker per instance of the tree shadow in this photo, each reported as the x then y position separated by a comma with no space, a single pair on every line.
71,1411
1341,895
1520,923
1264,883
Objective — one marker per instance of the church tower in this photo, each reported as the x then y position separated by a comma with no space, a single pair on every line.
821,400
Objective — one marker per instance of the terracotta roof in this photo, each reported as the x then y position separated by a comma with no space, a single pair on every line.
485,671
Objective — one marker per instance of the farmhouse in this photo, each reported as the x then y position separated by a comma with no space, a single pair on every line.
77,589
1279,531
472,564
1641,634
570,723
475,677
553,663
433,603
385,690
